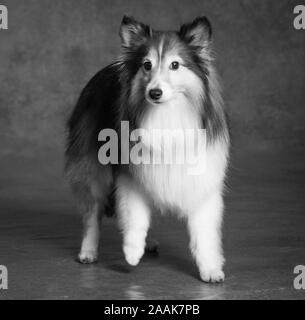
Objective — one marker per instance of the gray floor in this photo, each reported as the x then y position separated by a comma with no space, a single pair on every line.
264,237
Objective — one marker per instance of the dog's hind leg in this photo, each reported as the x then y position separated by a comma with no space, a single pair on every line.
100,185
134,219
91,235
91,186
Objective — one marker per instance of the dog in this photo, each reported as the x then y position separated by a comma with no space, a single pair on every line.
164,80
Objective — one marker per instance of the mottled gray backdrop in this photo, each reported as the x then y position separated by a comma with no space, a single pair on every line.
53,47
50,51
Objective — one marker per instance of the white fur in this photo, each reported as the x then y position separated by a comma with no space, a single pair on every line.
204,225
169,187
134,217
198,198
89,248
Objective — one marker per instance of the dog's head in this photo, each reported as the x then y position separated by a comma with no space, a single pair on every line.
162,66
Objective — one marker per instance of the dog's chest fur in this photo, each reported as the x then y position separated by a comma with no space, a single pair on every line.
171,186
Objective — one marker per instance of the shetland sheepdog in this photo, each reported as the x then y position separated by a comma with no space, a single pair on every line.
164,80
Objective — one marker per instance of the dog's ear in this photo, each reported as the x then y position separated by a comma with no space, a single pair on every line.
133,33
198,33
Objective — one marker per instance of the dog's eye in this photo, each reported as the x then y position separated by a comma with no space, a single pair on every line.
147,65
174,65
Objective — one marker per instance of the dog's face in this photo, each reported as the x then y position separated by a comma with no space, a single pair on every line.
165,66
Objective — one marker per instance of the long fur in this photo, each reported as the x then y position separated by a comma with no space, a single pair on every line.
119,93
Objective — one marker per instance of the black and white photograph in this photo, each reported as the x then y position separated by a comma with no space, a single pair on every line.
152,150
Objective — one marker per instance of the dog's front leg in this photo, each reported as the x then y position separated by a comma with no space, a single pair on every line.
134,219
205,234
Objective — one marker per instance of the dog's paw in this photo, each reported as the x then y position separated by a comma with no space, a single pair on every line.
87,256
152,246
213,276
133,255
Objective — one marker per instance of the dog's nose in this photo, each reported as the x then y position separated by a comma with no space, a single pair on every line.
155,94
